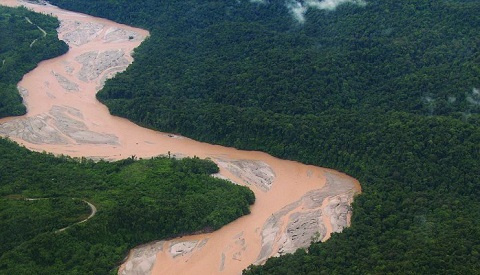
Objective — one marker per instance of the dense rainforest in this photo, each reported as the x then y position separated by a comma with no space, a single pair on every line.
26,39
385,90
138,201
43,198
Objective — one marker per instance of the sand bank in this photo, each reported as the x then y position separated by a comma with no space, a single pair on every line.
295,203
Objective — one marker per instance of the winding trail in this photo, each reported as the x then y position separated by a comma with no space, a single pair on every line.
93,212
44,33
294,202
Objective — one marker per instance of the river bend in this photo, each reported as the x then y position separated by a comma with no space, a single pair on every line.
295,203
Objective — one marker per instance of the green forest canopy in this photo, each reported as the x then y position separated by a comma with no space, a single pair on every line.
387,92
138,201
22,46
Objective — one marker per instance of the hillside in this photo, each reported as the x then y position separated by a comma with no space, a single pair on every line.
386,91
138,201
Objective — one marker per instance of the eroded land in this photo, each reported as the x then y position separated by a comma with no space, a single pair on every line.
295,203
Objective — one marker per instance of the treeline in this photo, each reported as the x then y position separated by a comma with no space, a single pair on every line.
387,92
138,201
19,53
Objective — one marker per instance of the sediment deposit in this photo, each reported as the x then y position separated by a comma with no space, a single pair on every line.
295,203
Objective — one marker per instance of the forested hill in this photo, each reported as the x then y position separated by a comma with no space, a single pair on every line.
22,46
387,91
138,201
416,56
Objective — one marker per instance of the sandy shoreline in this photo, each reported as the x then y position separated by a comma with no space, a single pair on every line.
293,201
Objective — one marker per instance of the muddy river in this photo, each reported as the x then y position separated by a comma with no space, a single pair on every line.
295,203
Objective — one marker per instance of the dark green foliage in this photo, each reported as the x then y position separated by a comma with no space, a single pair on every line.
19,54
21,219
418,56
383,92
138,201
10,101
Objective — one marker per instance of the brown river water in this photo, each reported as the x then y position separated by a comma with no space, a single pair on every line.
295,203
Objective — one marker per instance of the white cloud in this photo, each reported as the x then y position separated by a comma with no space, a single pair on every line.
474,97
298,8
258,1
332,4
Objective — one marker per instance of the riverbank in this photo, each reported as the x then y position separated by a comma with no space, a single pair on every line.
293,201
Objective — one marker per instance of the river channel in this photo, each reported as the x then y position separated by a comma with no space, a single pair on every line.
295,203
